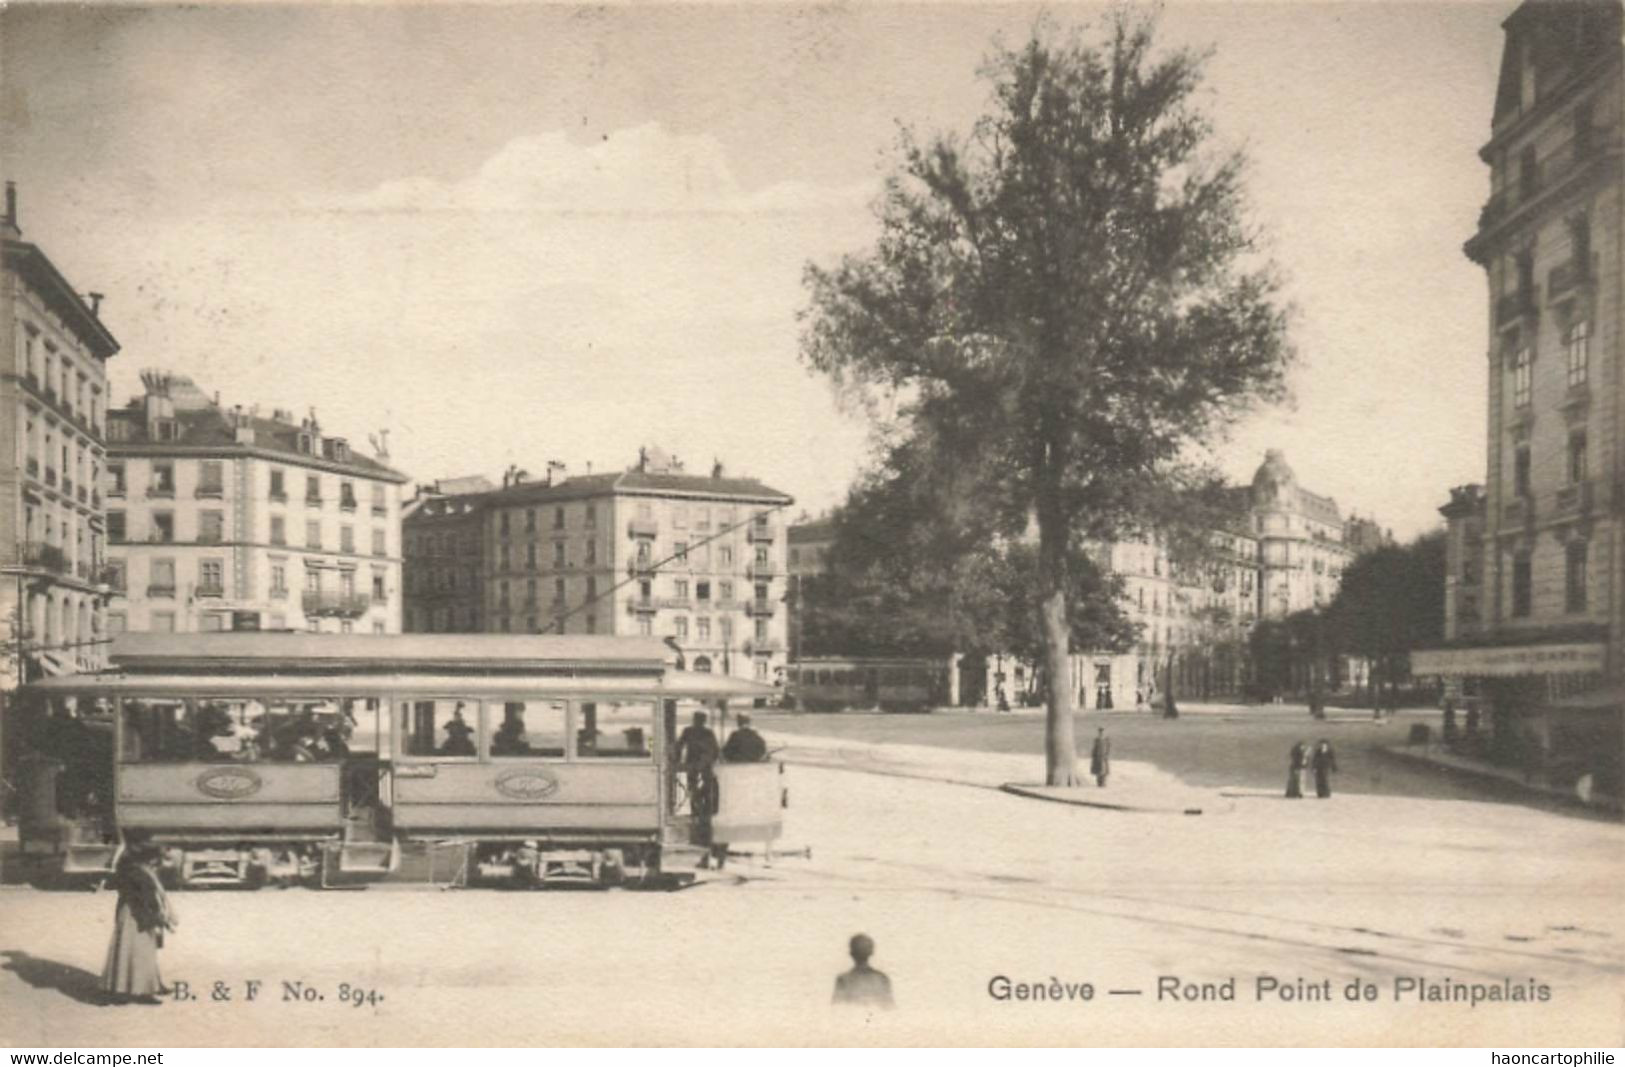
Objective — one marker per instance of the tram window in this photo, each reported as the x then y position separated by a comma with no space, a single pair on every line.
157,730
612,729
440,727
823,676
533,728
358,729
230,729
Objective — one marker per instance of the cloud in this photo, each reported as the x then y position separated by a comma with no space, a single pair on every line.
643,170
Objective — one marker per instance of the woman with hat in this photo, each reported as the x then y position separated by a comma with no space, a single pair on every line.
143,914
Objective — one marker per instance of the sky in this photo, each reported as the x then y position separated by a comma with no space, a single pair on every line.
510,234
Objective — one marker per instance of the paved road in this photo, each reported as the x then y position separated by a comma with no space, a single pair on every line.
1218,747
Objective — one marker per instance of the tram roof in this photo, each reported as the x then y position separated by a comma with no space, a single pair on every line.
374,653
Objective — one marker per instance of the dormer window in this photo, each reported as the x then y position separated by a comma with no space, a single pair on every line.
305,443
164,429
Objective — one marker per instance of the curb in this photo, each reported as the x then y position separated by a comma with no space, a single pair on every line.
1502,783
1032,793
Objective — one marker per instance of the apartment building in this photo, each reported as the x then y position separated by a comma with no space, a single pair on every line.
1546,654
54,350
219,519
696,559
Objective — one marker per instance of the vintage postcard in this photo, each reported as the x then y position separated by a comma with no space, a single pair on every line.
786,524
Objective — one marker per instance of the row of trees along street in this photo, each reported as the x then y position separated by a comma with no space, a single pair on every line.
1064,308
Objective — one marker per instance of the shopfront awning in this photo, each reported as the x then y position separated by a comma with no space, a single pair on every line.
1509,661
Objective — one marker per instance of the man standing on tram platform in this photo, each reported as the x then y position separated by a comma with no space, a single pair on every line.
697,753
744,745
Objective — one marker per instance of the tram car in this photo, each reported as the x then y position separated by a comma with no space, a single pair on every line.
276,757
842,683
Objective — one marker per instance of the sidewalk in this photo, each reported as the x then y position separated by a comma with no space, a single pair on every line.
1133,786
1435,755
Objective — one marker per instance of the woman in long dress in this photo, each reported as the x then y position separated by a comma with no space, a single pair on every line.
1294,771
1324,762
144,913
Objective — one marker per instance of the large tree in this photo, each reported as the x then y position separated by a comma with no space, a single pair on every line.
1390,602
1059,305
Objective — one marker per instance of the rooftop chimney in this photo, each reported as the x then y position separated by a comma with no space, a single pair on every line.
95,303
11,211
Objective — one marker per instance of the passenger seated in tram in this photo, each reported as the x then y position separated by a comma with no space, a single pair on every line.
215,735
459,736
336,740
510,738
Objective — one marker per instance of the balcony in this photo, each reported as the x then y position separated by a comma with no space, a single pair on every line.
1512,307
328,602
760,607
45,556
347,503
636,527
164,590
161,492
279,592
761,531
640,605
277,496
640,565
380,511
764,647
675,603
1574,499
210,537
761,569
313,501
215,591
1523,188
209,492
1566,276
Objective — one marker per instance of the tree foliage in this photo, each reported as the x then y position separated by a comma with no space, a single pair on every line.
1058,305
1392,599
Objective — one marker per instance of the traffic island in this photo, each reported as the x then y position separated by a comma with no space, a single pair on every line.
1100,797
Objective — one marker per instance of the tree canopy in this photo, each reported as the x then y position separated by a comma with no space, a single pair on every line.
1059,305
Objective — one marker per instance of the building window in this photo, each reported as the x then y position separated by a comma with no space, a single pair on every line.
1522,377
645,625
558,555
347,496
1577,347
279,579
378,586
1522,586
211,479
313,534
1520,471
1574,585
502,523
163,480
761,630
163,527
530,520
592,553
727,630
161,578
725,590
380,507
592,623
313,580
313,489
346,539
702,628
592,516
279,491
378,542
680,588
279,530
211,527
558,518
211,577
592,589
1577,457
115,479
679,516
680,551
530,555
702,590
680,626
115,527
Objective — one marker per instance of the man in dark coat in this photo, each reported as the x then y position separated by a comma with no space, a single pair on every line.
1100,757
863,985
696,753
1296,762
744,745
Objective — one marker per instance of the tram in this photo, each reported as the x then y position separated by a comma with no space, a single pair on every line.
252,758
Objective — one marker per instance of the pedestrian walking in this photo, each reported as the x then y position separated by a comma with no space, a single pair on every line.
1297,760
1324,763
143,913
863,986
1100,757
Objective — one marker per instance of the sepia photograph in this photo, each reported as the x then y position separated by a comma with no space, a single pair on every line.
855,524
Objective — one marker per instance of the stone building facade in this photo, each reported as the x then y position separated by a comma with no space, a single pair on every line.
1546,659
696,559
53,410
219,519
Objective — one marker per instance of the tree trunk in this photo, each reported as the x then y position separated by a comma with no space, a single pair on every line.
1060,748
